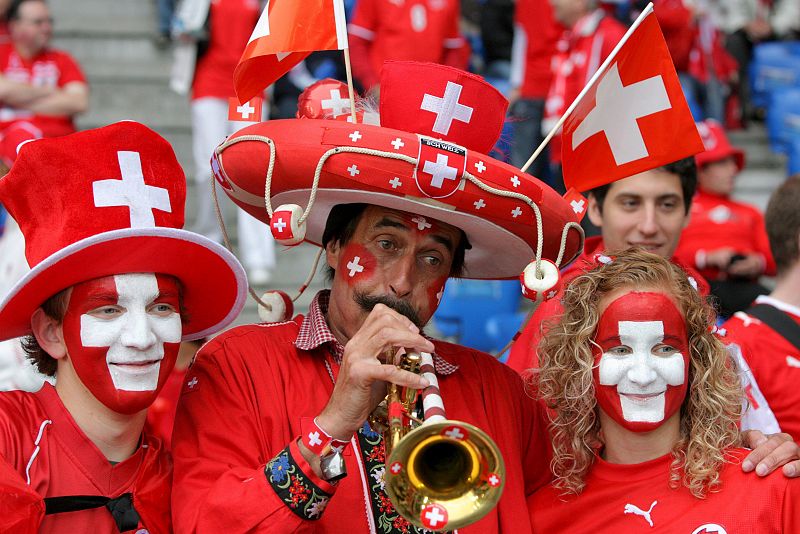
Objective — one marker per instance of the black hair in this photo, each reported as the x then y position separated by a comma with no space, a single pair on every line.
12,13
341,225
685,169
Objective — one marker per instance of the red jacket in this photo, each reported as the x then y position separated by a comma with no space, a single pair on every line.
523,352
719,222
535,38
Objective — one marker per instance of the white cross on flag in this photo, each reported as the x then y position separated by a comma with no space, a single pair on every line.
250,111
633,118
440,167
286,33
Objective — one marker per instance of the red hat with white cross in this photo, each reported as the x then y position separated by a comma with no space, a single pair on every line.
428,157
105,202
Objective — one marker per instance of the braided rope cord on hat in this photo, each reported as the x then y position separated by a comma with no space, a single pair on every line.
389,155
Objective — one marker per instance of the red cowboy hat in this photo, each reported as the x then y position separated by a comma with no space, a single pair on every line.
717,145
428,157
105,202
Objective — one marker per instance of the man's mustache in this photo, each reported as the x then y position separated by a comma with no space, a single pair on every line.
368,302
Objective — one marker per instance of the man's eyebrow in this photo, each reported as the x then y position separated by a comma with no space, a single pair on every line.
442,240
391,223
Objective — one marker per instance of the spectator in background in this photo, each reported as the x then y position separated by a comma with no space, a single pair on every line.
589,38
166,10
414,30
749,22
725,240
41,88
229,25
497,35
536,33
4,20
772,347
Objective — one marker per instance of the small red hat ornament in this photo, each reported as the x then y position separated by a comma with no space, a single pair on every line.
717,145
428,157
105,202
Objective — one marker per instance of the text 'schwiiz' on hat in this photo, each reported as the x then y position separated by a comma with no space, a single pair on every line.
106,202
427,157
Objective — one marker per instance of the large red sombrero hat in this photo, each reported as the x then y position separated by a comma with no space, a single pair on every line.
105,202
428,157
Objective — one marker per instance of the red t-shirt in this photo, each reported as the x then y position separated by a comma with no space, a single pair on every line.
231,24
51,68
774,361
242,405
622,499
408,30
42,444
579,53
719,222
539,34
523,356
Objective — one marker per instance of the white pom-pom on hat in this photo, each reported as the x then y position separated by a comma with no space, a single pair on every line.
285,225
282,307
540,289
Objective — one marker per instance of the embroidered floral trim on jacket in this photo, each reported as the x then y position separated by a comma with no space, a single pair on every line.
294,487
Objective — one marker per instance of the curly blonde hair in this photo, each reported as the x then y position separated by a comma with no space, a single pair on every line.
709,414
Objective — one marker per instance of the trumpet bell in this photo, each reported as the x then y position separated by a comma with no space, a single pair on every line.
445,475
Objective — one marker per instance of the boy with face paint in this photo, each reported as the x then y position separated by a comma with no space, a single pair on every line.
115,286
644,403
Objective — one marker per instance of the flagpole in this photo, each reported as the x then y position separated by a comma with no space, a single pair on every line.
350,88
595,76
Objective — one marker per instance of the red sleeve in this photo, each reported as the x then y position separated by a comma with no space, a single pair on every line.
222,447
790,518
523,352
21,508
456,48
70,70
361,33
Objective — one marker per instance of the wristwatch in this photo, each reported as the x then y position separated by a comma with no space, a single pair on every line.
332,465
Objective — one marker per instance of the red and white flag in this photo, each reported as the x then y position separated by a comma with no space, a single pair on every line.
633,118
286,33
250,111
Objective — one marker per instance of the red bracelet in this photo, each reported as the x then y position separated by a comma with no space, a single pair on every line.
316,439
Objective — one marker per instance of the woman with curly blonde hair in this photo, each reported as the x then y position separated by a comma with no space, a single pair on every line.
644,405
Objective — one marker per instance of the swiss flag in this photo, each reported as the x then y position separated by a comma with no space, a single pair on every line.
633,118
440,167
250,111
443,103
286,33
577,202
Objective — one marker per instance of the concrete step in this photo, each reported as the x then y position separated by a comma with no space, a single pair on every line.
104,17
123,59
150,102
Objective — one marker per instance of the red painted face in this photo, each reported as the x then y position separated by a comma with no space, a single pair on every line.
641,360
122,335
435,293
356,263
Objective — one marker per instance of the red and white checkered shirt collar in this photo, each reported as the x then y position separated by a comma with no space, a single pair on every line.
314,333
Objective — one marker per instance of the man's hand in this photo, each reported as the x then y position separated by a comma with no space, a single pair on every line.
750,266
719,258
771,452
361,383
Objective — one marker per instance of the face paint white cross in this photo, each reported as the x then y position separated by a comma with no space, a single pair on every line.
641,376
141,199
245,110
422,223
354,266
336,104
578,205
135,338
447,108
616,112
440,170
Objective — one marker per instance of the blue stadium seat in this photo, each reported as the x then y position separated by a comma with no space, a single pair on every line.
501,328
793,165
783,119
775,65
468,304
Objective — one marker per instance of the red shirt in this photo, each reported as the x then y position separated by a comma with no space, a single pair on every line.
523,352
406,30
719,222
539,32
774,361
636,498
50,68
41,442
245,396
230,27
579,53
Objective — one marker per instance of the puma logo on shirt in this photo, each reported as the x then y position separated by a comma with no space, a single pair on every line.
633,509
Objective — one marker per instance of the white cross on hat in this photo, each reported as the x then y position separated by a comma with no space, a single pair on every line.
447,108
440,170
132,192
337,104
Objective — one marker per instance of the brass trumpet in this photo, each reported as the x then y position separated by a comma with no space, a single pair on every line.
440,474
